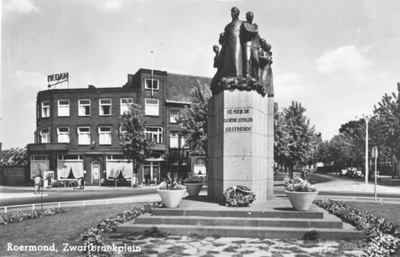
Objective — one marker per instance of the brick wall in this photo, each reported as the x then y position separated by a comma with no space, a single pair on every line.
14,175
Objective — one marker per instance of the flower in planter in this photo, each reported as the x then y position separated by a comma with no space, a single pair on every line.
171,182
298,184
194,180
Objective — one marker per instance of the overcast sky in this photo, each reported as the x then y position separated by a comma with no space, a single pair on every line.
337,58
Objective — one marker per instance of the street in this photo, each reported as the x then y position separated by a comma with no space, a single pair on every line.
329,186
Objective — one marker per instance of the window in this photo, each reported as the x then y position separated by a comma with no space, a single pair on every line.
84,136
105,106
125,104
173,115
155,84
151,107
174,139
63,135
84,107
155,134
63,108
183,142
45,135
104,135
45,109
39,157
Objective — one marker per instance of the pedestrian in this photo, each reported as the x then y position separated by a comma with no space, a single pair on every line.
48,178
147,178
38,183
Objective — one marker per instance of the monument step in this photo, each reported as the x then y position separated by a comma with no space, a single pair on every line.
242,212
348,232
239,221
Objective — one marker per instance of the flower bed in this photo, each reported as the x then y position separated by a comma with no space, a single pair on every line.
16,217
93,238
381,236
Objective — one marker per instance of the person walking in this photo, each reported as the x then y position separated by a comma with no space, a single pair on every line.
38,183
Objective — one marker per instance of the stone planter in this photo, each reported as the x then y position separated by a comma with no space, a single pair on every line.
301,201
194,189
171,198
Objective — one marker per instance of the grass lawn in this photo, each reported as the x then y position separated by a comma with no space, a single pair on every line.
387,211
66,228
59,229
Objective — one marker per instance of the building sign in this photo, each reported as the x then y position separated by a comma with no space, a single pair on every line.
58,77
238,120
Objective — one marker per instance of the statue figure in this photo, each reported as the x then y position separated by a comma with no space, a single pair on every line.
218,62
241,63
232,64
265,67
250,46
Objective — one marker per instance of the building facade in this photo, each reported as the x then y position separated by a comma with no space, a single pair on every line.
77,129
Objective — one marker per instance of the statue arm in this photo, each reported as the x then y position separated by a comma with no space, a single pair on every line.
246,27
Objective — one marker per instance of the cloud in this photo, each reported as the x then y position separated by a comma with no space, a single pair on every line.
109,5
287,78
19,6
348,58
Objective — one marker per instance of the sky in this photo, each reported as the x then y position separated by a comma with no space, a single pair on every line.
337,58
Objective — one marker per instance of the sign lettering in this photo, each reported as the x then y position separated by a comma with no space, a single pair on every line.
238,120
57,77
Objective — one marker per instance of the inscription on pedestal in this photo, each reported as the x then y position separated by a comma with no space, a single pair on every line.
238,120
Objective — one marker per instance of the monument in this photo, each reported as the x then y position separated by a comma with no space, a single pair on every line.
241,112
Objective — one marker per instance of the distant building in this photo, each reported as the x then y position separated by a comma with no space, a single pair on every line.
76,129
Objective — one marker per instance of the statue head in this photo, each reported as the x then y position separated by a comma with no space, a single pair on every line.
235,13
249,17
216,49
264,45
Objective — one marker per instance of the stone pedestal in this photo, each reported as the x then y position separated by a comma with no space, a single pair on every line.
240,143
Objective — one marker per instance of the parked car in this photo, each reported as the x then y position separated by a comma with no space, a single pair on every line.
343,172
354,173
378,174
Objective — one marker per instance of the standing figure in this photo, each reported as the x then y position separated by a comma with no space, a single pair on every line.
38,183
218,63
250,46
232,58
265,58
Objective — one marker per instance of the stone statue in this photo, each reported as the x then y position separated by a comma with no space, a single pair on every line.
241,63
250,46
232,64
265,59
218,62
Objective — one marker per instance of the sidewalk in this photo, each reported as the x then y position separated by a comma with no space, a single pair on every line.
385,185
18,192
324,183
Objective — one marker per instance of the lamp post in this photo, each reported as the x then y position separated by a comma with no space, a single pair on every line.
367,119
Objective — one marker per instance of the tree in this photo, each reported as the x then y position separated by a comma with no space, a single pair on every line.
300,136
281,150
19,156
136,146
387,126
193,119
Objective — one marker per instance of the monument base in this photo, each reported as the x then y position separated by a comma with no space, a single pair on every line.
240,143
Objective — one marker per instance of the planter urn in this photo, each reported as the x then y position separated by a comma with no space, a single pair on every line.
301,201
194,189
171,198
